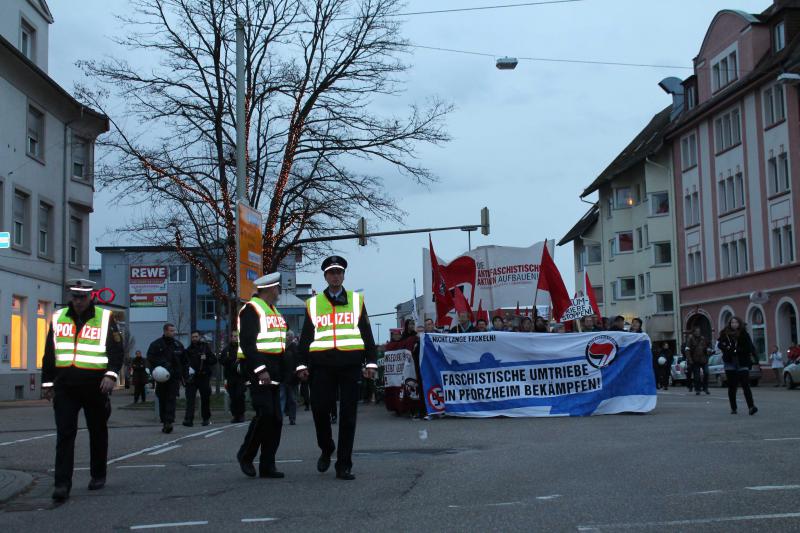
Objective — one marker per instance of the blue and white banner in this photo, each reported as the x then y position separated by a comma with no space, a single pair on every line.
537,374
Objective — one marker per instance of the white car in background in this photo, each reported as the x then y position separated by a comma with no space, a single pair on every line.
791,374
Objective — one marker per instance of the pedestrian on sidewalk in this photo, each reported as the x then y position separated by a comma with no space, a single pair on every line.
167,352
777,363
199,364
698,349
139,375
80,367
738,355
234,381
290,380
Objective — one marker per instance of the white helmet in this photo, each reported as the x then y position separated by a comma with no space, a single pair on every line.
662,360
160,374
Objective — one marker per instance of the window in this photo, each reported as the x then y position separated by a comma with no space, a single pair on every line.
80,156
178,274
627,287
42,312
207,307
727,130
772,174
35,133
694,269
779,36
730,193
784,180
782,245
612,248
664,303
688,152
724,258
639,239
663,253
594,254
614,291
27,40
641,285
774,108
624,242
598,294
19,332
623,197
734,257
724,72
659,203
646,236
610,207
45,232
75,241
696,207
20,215
647,285
691,97
739,183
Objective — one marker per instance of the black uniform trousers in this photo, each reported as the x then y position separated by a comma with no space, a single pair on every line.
167,394
139,390
265,428
199,383
67,402
236,392
326,383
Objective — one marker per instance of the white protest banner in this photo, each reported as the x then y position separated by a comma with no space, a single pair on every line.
537,374
580,307
394,364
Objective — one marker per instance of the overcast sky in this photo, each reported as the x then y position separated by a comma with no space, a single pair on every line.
525,142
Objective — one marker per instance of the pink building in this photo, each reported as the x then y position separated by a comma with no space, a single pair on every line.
736,160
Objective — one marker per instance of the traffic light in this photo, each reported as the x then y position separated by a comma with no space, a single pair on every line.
362,231
485,221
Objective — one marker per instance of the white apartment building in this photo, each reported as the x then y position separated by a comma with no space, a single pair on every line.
46,192
625,241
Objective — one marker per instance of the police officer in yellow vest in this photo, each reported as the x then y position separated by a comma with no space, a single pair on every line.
336,340
262,342
80,366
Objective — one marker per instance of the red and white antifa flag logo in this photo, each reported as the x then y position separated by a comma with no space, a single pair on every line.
601,351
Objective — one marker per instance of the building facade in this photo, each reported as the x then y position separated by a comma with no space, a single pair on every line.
736,160
625,241
46,192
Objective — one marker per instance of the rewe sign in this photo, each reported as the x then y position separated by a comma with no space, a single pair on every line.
149,272
147,285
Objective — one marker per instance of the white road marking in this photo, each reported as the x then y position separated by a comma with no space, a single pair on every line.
266,519
212,434
783,438
141,466
708,492
550,497
503,504
163,450
76,468
172,524
290,461
200,465
774,487
157,446
9,443
720,519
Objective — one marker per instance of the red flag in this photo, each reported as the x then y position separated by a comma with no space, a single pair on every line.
461,304
588,290
550,281
484,314
498,312
517,311
442,297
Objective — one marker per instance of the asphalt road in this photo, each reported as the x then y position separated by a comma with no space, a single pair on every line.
687,466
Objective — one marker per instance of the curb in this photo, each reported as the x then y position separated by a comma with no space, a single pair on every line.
13,483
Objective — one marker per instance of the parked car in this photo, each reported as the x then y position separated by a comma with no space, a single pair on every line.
677,370
791,374
716,372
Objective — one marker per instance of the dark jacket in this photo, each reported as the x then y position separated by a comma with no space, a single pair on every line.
168,353
80,376
138,370
228,359
737,350
458,328
368,355
192,359
275,364
697,351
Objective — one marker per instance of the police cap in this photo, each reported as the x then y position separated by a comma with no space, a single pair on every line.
334,261
268,280
80,286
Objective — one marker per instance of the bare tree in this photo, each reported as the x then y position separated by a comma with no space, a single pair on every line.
313,67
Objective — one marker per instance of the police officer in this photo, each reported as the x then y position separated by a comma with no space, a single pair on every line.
234,382
167,352
262,343
198,364
80,367
335,342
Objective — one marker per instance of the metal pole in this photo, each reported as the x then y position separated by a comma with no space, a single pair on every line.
241,170
469,241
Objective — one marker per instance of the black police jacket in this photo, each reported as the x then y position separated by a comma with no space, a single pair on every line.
167,353
192,358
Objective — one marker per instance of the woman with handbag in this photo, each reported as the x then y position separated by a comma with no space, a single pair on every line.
738,354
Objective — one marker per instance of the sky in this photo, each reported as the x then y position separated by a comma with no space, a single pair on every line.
525,142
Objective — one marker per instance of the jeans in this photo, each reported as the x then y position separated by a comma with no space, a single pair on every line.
289,401
698,379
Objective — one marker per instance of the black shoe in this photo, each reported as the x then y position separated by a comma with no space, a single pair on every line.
306,409
248,468
697,393
206,422
97,483
237,419
733,411
292,423
167,427
333,419
188,424
707,392
60,493
271,473
345,474
753,410
324,462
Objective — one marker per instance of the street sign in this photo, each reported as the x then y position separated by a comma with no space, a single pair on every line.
5,239
250,247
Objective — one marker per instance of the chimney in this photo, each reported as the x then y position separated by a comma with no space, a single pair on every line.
674,86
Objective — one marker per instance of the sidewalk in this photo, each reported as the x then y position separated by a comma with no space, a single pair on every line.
12,483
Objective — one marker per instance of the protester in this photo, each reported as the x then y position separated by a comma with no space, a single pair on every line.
776,362
540,325
618,324
605,324
139,376
526,326
738,355
481,326
464,324
588,324
430,327
411,393
636,326
497,323
697,352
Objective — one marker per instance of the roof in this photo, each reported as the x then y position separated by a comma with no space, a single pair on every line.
587,221
645,144
43,9
5,43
